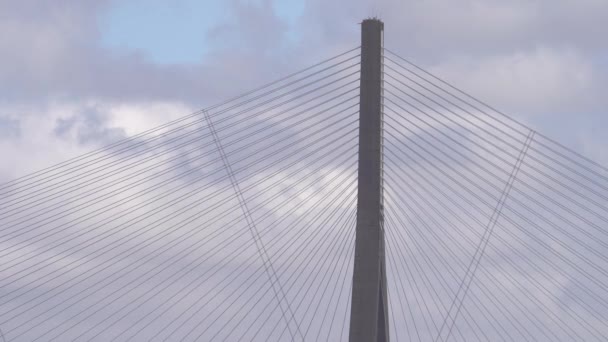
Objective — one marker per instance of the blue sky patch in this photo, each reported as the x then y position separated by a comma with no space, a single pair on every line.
165,32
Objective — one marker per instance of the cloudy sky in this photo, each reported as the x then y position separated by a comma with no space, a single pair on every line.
112,68
77,75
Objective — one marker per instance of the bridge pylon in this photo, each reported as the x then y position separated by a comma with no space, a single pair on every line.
369,313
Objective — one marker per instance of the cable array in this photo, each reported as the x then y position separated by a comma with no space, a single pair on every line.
494,232
237,223
234,222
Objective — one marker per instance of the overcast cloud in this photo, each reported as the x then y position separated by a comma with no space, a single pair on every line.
76,75
541,61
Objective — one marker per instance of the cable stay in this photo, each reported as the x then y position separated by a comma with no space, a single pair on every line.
239,222
495,232
217,225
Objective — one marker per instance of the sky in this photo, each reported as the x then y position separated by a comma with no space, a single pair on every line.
78,75
543,62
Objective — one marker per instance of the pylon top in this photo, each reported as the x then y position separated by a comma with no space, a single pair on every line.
373,21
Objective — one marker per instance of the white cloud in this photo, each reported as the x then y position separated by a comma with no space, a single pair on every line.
62,95
541,81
